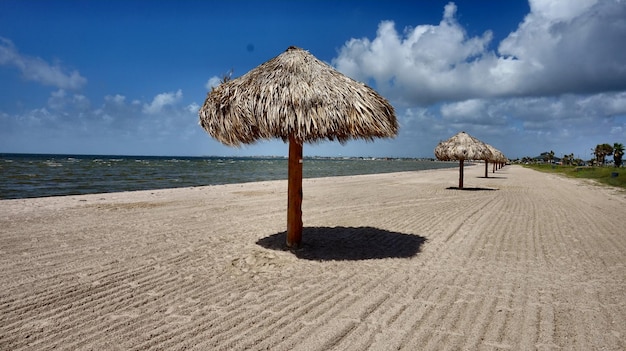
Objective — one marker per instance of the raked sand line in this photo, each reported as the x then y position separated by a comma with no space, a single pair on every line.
524,261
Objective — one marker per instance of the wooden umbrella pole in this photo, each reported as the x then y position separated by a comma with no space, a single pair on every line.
294,193
487,169
461,174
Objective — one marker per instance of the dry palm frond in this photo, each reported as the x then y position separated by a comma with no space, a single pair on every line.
295,94
497,155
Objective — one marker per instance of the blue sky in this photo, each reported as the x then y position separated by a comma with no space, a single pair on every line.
128,77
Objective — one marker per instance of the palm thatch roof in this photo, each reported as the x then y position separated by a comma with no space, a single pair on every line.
496,155
499,157
295,95
462,146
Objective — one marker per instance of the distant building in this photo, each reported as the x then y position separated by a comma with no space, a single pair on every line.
545,157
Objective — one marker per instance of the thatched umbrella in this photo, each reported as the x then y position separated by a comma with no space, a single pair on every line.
499,160
462,147
496,157
297,98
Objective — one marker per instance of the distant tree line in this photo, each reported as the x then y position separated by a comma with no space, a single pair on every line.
600,152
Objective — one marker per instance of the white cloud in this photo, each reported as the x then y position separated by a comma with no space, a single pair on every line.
73,104
566,111
162,100
464,108
116,99
427,63
569,47
212,83
116,125
193,108
559,48
38,70
57,99
560,10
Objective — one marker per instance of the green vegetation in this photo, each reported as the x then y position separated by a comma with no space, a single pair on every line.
604,175
596,169
618,152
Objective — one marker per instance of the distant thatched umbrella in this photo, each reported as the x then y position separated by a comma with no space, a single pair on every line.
496,157
498,160
297,98
462,147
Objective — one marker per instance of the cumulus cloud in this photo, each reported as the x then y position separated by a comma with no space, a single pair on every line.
37,69
474,112
212,83
123,125
559,48
193,108
537,113
569,47
116,99
62,100
162,100
425,64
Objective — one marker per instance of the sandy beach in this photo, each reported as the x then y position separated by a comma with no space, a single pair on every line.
519,261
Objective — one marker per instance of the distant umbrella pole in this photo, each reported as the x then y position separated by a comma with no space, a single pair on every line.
294,193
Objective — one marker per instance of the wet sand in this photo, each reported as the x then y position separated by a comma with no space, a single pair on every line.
519,261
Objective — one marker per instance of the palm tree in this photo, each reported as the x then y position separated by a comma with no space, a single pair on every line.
578,162
601,151
566,160
618,152
551,156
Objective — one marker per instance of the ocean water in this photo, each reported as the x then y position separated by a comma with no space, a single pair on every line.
34,175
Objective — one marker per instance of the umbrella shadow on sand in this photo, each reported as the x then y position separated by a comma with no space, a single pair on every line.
348,243
471,188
